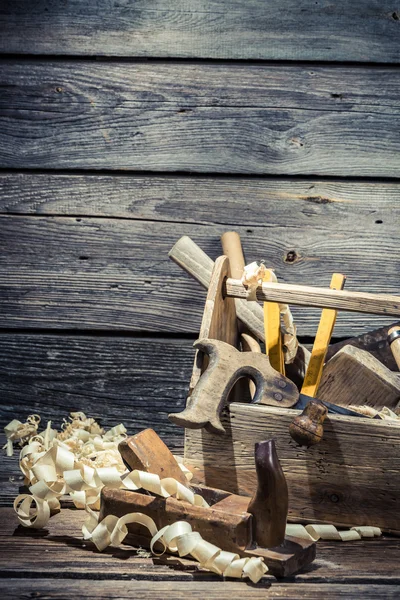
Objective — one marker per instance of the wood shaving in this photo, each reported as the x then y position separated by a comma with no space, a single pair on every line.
368,411
329,532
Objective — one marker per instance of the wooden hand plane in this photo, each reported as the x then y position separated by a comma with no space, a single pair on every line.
246,526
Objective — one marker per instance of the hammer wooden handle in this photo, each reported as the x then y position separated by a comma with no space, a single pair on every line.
394,342
232,248
302,295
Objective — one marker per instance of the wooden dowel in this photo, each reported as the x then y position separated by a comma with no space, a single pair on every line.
301,295
232,248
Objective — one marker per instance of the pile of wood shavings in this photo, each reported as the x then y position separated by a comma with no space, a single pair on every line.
80,460
47,459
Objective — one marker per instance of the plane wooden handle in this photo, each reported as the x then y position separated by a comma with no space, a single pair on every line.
394,343
307,429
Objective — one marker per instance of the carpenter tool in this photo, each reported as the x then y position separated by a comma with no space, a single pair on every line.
226,366
321,342
355,377
273,336
232,248
375,342
333,409
146,451
191,258
394,343
307,429
248,527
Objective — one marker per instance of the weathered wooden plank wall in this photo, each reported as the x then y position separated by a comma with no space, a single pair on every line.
106,159
203,118
361,30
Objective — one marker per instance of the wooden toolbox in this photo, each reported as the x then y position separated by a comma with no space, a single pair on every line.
351,478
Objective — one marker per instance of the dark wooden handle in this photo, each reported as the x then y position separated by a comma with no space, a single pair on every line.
269,505
307,429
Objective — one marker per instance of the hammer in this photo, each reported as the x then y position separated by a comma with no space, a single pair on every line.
226,366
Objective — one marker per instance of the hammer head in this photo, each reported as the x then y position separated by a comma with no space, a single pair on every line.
226,366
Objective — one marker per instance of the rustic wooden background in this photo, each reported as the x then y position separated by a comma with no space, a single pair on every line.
124,125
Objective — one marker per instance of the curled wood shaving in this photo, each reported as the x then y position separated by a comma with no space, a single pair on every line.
368,411
252,277
178,537
329,532
20,432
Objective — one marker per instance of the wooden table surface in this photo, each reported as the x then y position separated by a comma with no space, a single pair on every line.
57,563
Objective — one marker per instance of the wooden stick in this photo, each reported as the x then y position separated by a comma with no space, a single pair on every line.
232,248
321,342
302,295
273,337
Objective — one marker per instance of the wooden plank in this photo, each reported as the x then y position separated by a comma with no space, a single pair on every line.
178,590
331,205
22,554
113,379
350,478
96,273
362,30
169,117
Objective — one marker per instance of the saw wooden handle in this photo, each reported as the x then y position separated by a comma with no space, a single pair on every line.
226,366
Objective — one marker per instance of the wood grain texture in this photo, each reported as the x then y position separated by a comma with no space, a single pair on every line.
113,379
97,273
358,31
349,478
354,377
178,590
332,205
22,552
272,119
